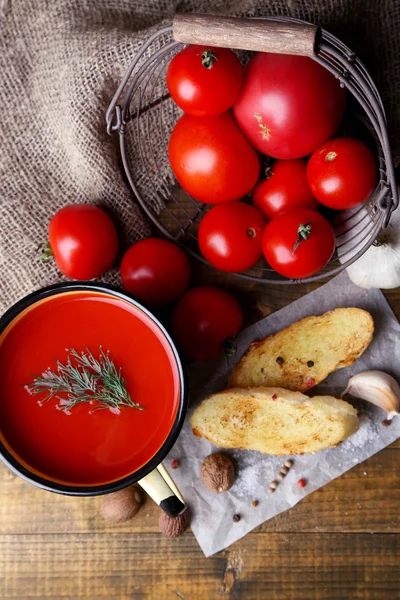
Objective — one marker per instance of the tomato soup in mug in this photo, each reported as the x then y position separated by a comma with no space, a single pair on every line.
86,447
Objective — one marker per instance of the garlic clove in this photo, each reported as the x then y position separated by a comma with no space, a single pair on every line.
376,387
379,266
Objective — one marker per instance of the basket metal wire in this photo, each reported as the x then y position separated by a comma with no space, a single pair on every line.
144,115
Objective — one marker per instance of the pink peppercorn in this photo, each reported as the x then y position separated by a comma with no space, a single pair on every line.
175,463
301,483
386,423
310,383
274,397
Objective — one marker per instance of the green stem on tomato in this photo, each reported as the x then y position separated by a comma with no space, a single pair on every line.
207,59
229,347
303,233
46,253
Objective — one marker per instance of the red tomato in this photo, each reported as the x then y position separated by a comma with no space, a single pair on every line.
230,236
83,240
204,81
289,105
342,173
155,271
284,189
211,158
204,318
298,243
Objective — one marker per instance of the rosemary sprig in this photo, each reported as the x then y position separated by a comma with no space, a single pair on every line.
83,378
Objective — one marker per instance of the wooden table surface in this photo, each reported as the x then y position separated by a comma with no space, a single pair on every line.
342,542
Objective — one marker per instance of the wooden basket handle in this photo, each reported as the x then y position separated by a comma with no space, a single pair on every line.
245,34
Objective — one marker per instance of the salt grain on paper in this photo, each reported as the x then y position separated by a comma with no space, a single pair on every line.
212,513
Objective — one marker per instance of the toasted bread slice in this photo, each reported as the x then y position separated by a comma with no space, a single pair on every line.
274,421
303,354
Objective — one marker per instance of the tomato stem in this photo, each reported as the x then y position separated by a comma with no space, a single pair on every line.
207,59
268,172
46,253
229,347
303,233
268,168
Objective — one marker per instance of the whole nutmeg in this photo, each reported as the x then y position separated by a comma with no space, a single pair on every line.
217,473
172,527
121,506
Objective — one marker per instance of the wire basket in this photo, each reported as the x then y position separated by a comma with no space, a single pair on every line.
144,115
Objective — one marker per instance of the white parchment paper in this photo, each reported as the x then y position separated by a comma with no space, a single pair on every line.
212,513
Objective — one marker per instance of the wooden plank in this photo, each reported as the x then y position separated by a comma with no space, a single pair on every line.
299,567
353,503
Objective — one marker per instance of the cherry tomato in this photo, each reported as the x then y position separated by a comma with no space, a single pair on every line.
230,236
155,271
204,318
83,240
204,81
289,105
211,158
298,243
342,173
285,188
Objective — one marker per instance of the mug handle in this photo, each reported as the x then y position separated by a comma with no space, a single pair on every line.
160,487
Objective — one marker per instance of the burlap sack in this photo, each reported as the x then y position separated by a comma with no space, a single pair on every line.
60,63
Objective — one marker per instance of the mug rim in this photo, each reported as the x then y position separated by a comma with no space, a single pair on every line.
96,490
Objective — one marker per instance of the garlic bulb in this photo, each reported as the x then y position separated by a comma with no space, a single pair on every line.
379,266
378,388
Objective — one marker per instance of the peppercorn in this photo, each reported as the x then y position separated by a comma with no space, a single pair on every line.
284,469
301,483
280,360
386,423
175,463
310,363
236,518
272,487
254,503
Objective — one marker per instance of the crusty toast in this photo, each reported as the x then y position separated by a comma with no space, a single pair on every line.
273,421
303,354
